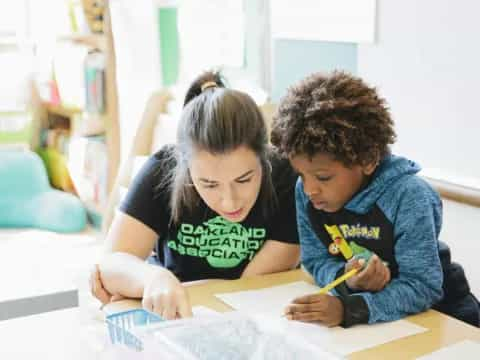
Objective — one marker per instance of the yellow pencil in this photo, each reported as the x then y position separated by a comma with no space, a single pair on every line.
334,283
337,281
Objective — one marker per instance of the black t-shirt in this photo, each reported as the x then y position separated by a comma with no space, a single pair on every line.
358,228
203,244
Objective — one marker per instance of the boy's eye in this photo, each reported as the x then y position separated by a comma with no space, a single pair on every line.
210,186
323,178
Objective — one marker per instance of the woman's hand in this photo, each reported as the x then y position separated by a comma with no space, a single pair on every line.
166,296
374,276
316,308
97,289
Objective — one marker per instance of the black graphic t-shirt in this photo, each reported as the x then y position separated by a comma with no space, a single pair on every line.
371,231
203,244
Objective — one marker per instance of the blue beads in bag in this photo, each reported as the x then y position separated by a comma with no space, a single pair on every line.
121,324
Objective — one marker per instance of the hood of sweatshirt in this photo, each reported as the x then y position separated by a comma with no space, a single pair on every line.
390,170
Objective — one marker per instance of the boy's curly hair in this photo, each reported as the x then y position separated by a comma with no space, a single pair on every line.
336,114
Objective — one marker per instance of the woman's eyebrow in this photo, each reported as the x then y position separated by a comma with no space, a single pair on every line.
207,181
241,177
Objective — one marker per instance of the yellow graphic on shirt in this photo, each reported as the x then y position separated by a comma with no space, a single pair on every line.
222,243
358,231
339,241
333,248
348,249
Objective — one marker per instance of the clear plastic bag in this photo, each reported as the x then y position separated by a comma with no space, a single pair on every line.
232,336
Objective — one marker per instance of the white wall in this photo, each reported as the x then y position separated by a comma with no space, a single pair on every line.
137,52
426,63
460,232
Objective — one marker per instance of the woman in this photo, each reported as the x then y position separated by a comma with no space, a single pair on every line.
218,204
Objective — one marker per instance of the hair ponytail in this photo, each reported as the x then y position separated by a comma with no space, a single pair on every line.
197,87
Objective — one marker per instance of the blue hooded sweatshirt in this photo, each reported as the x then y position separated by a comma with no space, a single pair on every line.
398,216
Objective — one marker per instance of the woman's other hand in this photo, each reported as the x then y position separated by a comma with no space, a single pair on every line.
98,290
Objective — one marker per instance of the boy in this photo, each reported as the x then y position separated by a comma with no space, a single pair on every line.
336,132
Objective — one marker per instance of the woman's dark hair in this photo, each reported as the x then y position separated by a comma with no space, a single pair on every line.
217,120
336,114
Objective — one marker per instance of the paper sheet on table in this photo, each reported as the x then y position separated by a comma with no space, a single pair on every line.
267,304
267,301
203,311
338,340
362,337
464,350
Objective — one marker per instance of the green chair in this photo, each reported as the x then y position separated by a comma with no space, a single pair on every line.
27,200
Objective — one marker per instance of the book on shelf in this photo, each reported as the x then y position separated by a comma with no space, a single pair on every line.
95,82
94,14
88,166
68,67
88,125
56,166
76,15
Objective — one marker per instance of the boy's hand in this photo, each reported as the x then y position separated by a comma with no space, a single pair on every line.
374,276
316,307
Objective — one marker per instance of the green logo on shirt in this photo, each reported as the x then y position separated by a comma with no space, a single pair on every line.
224,244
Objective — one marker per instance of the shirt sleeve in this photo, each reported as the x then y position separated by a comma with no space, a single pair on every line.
144,200
419,283
315,257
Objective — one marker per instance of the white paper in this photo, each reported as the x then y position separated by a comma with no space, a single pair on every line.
203,311
339,20
361,337
338,340
464,350
267,301
267,306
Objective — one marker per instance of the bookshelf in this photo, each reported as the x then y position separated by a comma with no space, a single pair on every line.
61,110
94,41
79,141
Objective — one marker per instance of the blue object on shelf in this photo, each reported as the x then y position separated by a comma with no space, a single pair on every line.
120,325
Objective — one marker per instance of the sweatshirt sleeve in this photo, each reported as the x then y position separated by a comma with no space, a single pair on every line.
314,255
416,220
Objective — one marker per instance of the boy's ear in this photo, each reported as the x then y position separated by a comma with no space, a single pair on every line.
369,168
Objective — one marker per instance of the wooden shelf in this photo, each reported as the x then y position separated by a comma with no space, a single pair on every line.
62,110
95,41
89,126
85,125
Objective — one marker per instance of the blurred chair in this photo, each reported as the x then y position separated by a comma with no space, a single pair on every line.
27,200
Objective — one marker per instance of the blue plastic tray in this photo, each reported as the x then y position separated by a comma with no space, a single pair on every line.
120,325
